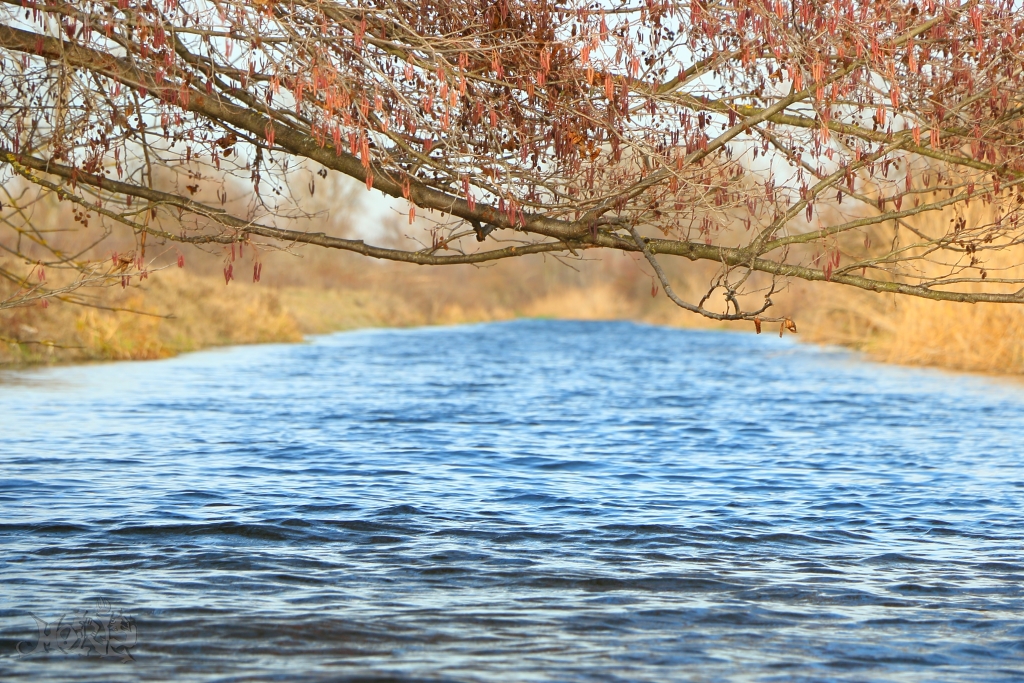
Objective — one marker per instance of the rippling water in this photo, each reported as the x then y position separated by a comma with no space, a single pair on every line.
536,501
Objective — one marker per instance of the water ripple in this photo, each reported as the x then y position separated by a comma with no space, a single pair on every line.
536,501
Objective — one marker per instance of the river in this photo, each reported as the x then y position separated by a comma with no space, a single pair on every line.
524,501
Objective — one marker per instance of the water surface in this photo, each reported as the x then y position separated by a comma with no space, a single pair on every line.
527,501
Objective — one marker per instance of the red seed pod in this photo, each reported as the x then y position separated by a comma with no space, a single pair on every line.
181,260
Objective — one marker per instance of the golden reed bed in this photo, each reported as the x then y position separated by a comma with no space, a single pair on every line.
315,295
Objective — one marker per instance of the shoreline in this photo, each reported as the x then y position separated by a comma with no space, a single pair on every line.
1015,378
980,339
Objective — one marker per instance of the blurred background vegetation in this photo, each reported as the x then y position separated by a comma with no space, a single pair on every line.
307,290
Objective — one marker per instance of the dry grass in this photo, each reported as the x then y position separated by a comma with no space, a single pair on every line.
319,294
976,338
985,338
981,338
312,291
203,315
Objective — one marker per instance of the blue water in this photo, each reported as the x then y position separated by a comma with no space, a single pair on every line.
527,501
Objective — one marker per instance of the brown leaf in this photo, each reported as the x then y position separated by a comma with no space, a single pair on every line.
790,325
757,325
226,141
124,261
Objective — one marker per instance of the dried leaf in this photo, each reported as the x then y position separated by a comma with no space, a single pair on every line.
226,141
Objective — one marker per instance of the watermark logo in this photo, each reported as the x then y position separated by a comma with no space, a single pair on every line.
104,632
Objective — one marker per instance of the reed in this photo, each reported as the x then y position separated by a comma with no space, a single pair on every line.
172,313
980,338
176,311
971,337
307,293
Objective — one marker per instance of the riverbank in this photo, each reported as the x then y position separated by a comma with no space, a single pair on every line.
980,338
177,312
